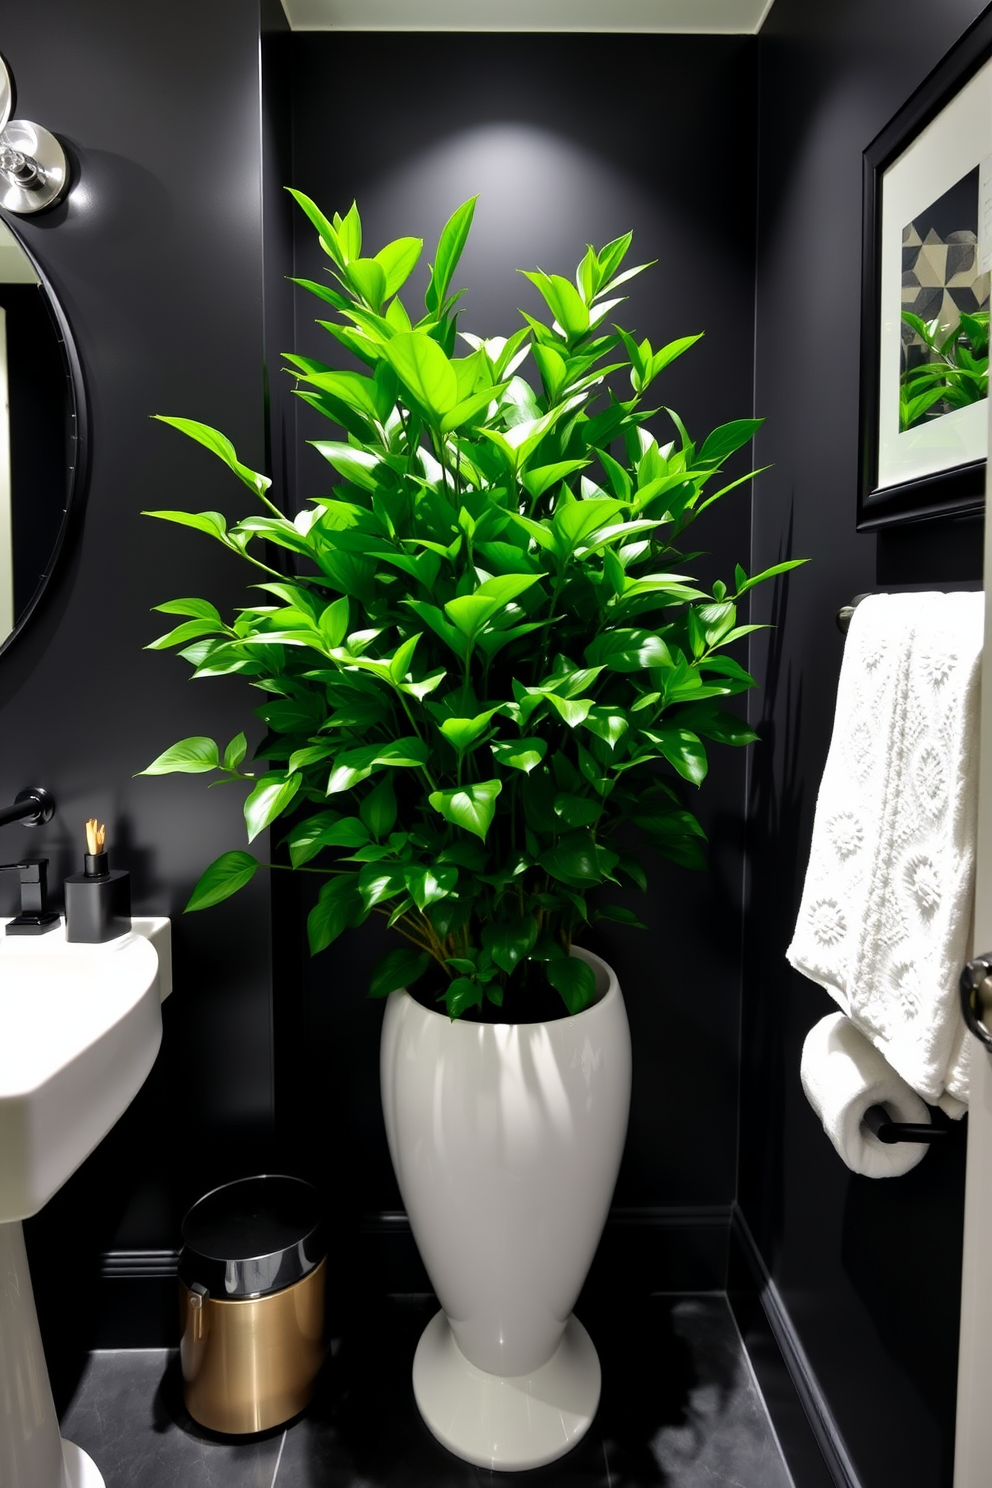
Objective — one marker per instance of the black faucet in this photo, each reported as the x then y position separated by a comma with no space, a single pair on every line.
35,917
33,807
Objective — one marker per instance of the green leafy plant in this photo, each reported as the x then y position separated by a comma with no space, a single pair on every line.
484,655
955,371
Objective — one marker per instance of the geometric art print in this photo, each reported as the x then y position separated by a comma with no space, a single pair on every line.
940,266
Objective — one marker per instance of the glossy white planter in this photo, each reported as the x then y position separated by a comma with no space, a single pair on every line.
506,1140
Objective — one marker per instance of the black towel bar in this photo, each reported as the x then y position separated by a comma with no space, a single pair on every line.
880,1124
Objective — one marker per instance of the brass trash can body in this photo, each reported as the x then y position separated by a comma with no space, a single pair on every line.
251,1296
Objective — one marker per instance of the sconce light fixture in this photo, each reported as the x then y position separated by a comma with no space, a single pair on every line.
34,171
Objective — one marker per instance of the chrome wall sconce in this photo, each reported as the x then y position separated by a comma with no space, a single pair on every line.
34,171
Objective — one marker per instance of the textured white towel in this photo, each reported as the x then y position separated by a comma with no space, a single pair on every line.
842,1076
884,923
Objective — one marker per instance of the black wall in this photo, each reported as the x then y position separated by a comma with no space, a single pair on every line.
157,260
869,1271
562,150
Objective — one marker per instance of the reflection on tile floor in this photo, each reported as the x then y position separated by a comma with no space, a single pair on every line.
680,1409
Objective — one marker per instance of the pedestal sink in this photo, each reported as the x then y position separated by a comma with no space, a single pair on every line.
80,1026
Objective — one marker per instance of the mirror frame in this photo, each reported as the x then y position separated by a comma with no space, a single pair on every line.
77,443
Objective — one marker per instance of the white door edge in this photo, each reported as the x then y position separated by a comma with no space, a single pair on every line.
973,1433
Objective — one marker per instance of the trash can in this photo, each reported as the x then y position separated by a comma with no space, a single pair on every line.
251,1296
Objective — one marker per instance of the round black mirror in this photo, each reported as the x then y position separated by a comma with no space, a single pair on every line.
42,427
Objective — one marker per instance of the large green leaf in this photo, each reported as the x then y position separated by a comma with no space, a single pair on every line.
469,806
211,522
368,279
361,467
200,609
349,230
424,370
235,752
453,238
352,766
326,230
470,612
667,354
509,941
225,876
378,882
337,907
608,722
378,810
675,834
462,732
729,437
572,710
429,885
460,995
563,300
221,446
683,749
466,410
575,523
744,583
269,799
519,754
552,368
397,968
575,980
305,839
432,616
714,722
577,811
578,858
350,832
629,650
398,261
191,756
351,388
738,680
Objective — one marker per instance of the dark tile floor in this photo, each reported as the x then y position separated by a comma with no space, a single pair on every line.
680,1409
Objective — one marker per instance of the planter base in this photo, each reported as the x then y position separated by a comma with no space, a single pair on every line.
506,1422
81,1470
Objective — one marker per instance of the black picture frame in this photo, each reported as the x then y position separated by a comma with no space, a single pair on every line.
958,489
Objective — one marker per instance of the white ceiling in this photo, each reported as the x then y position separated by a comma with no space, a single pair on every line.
712,17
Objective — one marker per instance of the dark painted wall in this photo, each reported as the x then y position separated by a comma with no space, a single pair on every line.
157,260
868,1271
562,149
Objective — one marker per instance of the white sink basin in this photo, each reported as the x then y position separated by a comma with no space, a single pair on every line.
80,1026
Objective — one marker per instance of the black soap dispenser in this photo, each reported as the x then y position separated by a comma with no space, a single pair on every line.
98,900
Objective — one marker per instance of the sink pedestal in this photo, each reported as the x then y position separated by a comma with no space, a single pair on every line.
32,1454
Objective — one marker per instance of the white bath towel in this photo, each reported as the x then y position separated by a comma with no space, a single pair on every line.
884,922
842,1076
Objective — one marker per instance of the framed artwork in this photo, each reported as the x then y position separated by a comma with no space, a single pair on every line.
926,261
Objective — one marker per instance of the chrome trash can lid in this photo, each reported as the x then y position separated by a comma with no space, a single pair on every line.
253,1236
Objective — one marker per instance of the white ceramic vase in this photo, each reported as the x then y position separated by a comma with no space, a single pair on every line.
506,1141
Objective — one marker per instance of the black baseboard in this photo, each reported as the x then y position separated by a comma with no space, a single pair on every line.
677,1249
652,1250
809,1436
139,1304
